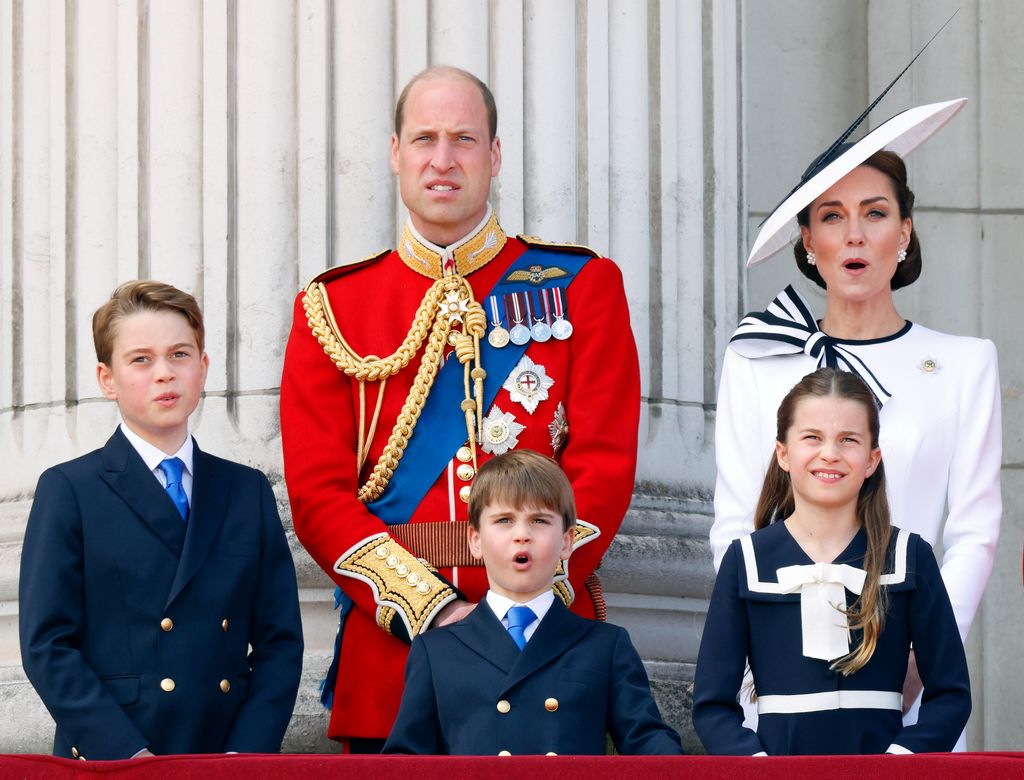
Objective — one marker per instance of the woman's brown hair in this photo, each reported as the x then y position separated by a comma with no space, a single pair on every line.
867,613
909,270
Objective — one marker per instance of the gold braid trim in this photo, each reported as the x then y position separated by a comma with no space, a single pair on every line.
564,591
448,303
403,585
583,532
385,616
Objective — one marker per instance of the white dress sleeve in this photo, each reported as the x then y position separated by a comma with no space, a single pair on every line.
740,462
973,496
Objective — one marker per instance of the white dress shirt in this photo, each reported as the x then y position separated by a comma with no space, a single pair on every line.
153,456
500,605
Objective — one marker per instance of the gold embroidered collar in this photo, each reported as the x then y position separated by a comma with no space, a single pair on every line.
463,257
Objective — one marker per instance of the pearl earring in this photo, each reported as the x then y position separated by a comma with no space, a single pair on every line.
811,259
901,255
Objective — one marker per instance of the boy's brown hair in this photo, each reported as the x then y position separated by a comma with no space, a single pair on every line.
523,478
142,295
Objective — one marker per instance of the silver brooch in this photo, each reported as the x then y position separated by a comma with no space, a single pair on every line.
929,366
528,384
500,432
559,429
453,307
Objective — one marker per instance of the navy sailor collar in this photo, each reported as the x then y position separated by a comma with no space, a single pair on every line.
764,552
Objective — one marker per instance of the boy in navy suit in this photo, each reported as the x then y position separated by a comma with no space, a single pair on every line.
159,610
522,674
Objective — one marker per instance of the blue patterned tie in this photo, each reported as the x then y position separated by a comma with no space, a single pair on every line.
518,619
172,469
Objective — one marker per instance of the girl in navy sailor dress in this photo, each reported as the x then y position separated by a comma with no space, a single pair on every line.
825,602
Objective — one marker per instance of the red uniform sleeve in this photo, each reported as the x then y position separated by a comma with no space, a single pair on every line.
319,440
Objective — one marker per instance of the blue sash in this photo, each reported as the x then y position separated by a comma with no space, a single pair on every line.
441,428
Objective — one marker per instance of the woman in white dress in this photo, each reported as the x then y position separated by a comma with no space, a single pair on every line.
940,417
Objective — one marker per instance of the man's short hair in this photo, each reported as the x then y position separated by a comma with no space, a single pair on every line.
523,478
137,296
442,71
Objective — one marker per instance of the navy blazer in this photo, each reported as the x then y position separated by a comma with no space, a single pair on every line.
135,627
470,691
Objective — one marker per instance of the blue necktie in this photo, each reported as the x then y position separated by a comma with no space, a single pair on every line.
172,469
518,619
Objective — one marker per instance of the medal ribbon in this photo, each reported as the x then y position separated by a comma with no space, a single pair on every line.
518,316
556,293
492,301
547,305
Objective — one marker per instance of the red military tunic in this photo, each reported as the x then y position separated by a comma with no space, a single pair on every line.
595,394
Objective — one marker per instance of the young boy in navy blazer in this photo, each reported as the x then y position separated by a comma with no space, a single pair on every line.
521,674
159,610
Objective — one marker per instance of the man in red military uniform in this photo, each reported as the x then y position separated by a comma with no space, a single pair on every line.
406,371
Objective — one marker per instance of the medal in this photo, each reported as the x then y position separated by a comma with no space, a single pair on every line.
561,328
519,334
539,330
528,384
498,336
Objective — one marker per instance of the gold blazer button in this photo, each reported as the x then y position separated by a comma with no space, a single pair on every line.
504,707
167,684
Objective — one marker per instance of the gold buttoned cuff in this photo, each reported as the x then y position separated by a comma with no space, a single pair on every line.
403,585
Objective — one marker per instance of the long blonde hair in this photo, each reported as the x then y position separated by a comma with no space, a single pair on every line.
867,613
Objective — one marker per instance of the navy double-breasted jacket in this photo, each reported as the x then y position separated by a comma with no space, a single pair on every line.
470,691
138,630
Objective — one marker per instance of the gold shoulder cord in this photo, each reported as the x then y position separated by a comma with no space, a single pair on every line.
448,306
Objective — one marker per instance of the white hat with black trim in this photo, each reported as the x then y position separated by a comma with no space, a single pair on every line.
901,134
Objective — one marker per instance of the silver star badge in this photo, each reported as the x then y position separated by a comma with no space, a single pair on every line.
453,307
500,432
559,429
528,384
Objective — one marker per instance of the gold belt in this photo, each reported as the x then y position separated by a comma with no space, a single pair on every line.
443,545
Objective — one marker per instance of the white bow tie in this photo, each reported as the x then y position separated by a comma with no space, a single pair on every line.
822,588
